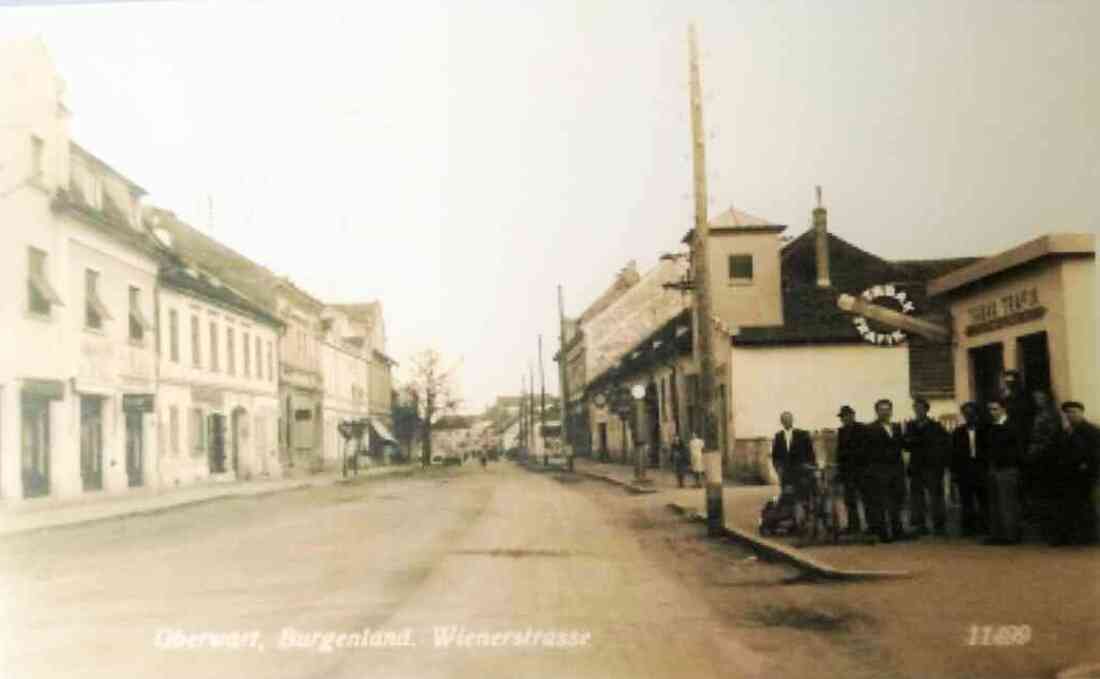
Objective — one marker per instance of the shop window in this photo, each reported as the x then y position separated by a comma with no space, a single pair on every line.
198,433
41,296
91,442
35,421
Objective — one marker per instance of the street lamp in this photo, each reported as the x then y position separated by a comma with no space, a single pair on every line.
638,393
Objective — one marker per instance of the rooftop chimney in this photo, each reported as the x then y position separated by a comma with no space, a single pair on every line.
821,243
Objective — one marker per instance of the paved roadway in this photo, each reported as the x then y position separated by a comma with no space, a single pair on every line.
489,551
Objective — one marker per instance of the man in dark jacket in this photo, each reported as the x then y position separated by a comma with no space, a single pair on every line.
791,450
926,440
851,458
886,473
1077,473
970,469
1005,445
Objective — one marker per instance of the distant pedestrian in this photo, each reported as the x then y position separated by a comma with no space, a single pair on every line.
886,474
970,469
792,450
927,443
851,457
681,463
696,446
1005,451
1077,476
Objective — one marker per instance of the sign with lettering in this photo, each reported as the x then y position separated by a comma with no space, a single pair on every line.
900,300
138,402
1018,307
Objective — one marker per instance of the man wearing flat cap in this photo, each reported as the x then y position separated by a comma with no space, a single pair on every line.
851,459
1076,477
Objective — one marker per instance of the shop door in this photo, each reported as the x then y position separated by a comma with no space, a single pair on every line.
36,446
653,419
91,442
135,448
1034,361
986,365
603,440
216,428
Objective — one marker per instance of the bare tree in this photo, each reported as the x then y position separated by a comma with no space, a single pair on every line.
433,385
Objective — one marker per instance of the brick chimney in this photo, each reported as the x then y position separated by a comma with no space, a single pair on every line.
821,243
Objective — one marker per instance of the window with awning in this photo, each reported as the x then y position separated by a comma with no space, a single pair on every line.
95,311
41,295
139,324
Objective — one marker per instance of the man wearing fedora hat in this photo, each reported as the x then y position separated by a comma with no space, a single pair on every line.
851,459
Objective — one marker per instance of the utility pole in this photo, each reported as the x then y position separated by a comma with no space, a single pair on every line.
703,315
521,439
542,400
564,384
531,406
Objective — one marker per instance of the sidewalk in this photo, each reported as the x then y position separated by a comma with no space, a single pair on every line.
847,560
27,518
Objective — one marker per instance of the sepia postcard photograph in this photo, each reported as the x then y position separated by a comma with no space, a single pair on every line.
551,339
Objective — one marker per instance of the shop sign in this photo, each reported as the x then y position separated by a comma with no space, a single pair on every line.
142,403
1019,307
900,299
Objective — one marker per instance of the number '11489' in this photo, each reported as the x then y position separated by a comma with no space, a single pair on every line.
999,635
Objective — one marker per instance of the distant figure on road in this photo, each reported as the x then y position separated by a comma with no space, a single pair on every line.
680,460
1005,450
792,449
970,469
927,443
697,459
851,457
1078,473
886,474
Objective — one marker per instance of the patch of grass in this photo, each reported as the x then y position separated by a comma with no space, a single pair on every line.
815,619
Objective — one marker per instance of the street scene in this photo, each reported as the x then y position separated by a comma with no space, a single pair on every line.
715,339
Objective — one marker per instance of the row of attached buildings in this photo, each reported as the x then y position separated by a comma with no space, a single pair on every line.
140,353
782,343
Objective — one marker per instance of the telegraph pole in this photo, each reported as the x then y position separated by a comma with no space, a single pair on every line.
531,406
703,315
542,398
564,384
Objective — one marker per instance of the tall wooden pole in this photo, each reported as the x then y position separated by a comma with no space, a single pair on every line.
542,387
564,383
531,406
703,314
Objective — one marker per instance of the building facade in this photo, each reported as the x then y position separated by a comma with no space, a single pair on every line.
78,379
345,373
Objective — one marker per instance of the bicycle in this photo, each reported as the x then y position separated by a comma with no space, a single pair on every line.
818,513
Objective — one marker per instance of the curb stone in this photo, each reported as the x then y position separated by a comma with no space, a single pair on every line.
635,489
793,556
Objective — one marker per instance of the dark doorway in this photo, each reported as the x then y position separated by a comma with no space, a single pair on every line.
603,440
36,445
91,442
216,427
135,448
1033,359
653,419
986,365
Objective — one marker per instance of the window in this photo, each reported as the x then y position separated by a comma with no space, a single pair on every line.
214,346
173,336
40,294
740,267
270,363
174,429
138,323
196,347
95,311
259,359
230,352
37,149
246,367
198,435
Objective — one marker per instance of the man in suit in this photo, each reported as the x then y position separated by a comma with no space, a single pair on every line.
926,440
1005,452
1077,473
851,458
886,474
970,468
791,450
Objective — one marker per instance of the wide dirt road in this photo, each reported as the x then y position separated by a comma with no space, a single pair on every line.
442,553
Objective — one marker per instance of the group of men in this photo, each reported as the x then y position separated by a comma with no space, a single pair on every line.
1002,471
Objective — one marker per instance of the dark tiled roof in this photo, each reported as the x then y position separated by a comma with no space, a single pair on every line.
810,313
177,276
105,221
668,345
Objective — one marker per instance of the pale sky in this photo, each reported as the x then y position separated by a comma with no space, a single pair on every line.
459,160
